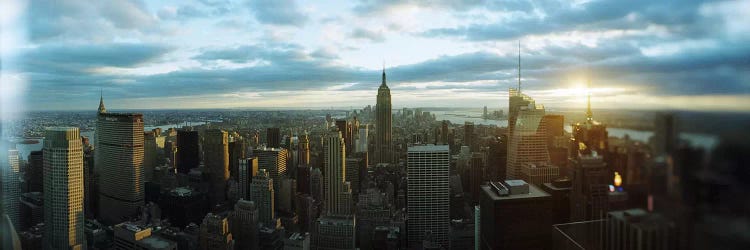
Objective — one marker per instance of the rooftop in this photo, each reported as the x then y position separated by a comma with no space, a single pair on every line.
428,148
534,192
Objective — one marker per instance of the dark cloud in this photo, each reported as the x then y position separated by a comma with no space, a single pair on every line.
278,12
83,57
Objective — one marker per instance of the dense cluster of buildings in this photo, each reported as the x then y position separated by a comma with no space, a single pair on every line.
370,179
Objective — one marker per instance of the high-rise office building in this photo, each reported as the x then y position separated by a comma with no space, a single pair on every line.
273,137
215,234
303,150
336,189
528,142
362,142
497,159
188,150
346,131
63,189
10,170
590,175
469,136
32,209
589,199
90,180
261,192
316,184
665,136
428,194
336,228
274,161
538,174
515,215
237,150
243,221
119,164
216,150
150,154
34,171
248,170
383,123
352,174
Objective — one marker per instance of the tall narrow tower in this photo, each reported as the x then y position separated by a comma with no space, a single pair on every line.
383,143
216,151
63,189
10,186
337,191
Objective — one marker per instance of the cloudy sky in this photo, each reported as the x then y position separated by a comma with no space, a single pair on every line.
639,54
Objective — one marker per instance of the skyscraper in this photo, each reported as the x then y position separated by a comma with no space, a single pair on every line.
243,221
119,163
216,150
304,149
237,150
515,215
336,228
188,150
215,233
273,137
361,145
590,175
63,189
261,192
248,170
337,191
274,161
150,154
428,194
383,123
11,186
469,136
528,141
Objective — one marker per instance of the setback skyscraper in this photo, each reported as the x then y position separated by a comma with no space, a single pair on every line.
383,123
528,142
63,189
119,164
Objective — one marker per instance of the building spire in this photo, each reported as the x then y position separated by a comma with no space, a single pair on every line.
383,84
589,114
101,102
519,67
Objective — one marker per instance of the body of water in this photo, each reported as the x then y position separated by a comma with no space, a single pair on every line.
705,141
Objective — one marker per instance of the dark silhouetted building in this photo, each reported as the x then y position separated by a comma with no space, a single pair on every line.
188,150
515,215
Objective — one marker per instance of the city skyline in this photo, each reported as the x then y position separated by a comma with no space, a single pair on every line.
328,54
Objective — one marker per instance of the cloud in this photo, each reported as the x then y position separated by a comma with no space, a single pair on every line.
369,35
78,19
82,57
278,12
681,17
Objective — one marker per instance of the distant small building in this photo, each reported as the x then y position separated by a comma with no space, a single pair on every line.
133,236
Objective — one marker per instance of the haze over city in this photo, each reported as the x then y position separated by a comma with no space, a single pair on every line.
686,55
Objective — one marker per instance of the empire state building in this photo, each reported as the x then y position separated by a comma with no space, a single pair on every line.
383,142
